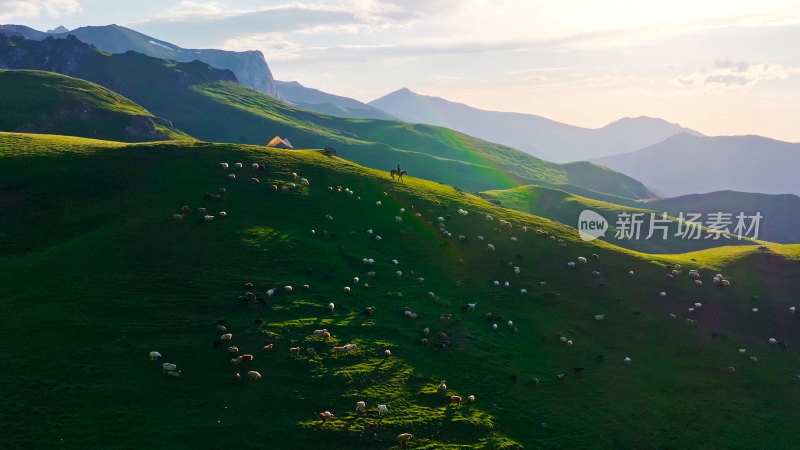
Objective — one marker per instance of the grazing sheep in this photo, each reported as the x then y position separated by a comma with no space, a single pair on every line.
174,373
378,203
725,283
627,360
523,291
269,347
742,350
442,386
331,306
208,218
731,369
773,341
321,332
403,438
630,273
490,247
168,367
382,409
236,361
569,343
471,399
311,352
287,288
398,274
221,328
339,349
600,317
670,276
698,282
494,326
178,216
595,256
571,264
426,331
582,260
238,165
347,289
223,166
271,291
387,353
226,337
304,182
456,399
154,356
755,310
510,323
662,294
233,349
595,273
255,166
792,309
326,416
232,176
294,351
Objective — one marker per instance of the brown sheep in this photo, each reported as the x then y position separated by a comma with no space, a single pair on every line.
294,351
405,437
456,399
268,347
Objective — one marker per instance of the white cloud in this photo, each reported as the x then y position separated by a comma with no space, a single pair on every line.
274,45
732,75
14,9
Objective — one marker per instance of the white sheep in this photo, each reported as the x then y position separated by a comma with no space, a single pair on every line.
471,399
697,305
494,326
347,289
471,306
627,360
378,203
523,291
287,288
221,328
513,239
399,274
255,166
387,353
571,264
630,273
490,247
169,367
208,218
155,355
232,176
360,405
569,343
506,284
496,283
698,282
582,260
510,323
378,238
755,310
331,306
595,273
599,317
320,332
742,350
355,280
563,339
480,238
174,373
394,261
773,341
270,292
489,218
398,219
223,165
792,309
304,182
226,337
431,295
238,165
253,375
662,294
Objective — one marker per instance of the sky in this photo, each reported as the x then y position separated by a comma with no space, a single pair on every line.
720,67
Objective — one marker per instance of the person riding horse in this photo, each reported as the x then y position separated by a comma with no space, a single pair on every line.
398,172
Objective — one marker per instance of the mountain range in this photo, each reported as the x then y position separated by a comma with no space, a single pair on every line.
536,135
208,104
687,164
250,67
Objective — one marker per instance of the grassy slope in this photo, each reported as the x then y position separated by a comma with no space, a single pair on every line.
207,104
565,208
104,263
47,102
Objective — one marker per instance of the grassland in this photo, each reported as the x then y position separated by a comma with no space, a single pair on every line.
88,256
45,102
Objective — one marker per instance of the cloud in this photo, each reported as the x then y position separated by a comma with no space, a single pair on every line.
13,9
733,75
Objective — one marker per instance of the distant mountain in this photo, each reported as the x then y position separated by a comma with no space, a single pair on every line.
564,207
536,135
207,103
250,67
50,103
686,164
315,100
780,213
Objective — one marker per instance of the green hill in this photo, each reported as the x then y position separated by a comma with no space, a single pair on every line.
209,105
95,276
45,102
566,208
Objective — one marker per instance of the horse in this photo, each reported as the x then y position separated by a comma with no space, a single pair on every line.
399,173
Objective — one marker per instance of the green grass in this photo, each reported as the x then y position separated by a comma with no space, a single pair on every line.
87,256
46,102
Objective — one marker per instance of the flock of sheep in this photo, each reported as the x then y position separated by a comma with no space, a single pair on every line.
244,359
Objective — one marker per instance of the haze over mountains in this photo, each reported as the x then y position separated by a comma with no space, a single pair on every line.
686,164
545,138
325,103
